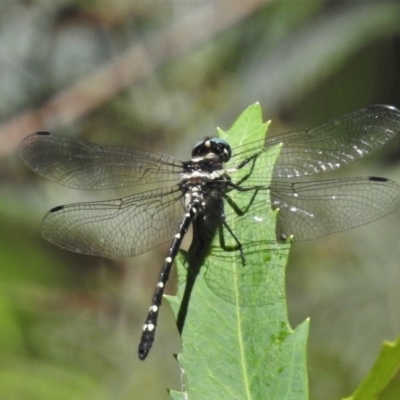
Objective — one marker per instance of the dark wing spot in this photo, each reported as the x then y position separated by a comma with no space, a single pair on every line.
55,209
377,179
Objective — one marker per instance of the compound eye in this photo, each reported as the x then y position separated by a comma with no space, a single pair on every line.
221,148
200,148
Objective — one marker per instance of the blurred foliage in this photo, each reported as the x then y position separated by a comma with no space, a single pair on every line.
69,324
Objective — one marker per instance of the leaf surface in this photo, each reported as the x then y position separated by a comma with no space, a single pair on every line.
381,374
237,342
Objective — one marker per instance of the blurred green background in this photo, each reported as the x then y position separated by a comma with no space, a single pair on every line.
161,75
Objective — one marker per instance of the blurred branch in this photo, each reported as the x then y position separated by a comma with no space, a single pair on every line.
317,50
108,80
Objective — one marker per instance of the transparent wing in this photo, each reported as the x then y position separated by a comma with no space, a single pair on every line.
116,228
252,284
306,211
328,146
78,164
314,209
256,282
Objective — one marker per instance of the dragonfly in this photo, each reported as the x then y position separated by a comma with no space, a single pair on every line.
199,188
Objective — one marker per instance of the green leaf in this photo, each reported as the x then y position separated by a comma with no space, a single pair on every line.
381,374
237,342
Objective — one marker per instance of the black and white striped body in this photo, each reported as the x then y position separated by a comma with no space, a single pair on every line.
204,178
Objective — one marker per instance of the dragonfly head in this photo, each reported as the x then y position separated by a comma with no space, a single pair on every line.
212,147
